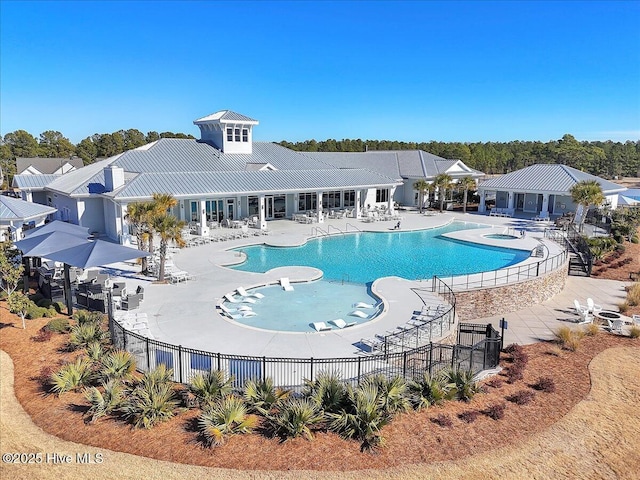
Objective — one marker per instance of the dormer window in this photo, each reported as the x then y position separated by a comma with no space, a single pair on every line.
237,135
245,134
229,134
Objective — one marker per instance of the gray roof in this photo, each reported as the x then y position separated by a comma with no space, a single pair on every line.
226,116
33,182
552,178
46,165
190,184
16,209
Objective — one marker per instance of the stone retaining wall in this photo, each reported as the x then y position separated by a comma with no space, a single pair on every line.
487,302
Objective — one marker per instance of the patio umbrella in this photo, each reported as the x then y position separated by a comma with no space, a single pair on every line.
58,226
92,254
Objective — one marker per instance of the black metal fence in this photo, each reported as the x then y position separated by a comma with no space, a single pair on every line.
476,352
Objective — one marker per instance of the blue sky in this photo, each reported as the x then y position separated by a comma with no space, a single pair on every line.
410,71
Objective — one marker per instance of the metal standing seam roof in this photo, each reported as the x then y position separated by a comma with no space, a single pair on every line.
552,178
33,182
182,184
225,116
16,209
385,163
46,165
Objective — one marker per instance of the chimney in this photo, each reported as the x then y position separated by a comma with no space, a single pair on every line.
113,178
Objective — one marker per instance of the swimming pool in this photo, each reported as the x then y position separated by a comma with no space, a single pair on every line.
501,236
364,257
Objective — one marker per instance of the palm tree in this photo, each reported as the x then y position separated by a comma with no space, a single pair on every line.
160,206
466,184
443,183
422,186
169,228
138,215
585,194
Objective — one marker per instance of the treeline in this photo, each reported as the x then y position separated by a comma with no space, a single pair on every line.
53,144
606,159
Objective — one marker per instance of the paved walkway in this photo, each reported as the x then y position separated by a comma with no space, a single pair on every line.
185,314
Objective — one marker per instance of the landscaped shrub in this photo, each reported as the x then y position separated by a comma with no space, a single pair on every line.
513,347
84,334
59,306
44,377
392,393
43,335
34,311
591,330
521,397
262,397
152,400
596,273
635,239
515,372
495,411
225,417
58,325
462,383
495,382
104,402
327,391
297,417
430,390
210,387
634,331
633,295
117,365
443,420
36,297
623,307
84,316
43,302
520,356
469,416
72,376
569,339
545,384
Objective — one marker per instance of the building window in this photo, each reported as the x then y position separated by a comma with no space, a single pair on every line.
194,211
254,205
349,198
245,134
229,134
237,135
307,201
382,195
331,200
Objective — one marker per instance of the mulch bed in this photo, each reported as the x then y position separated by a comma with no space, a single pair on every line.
410,438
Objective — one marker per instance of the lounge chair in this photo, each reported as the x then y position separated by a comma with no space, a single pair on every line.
340,323
362,305
583,311
615,326
284,281
241,309
636,319
232,299
359,313
243,293
320,326
593,307
131,301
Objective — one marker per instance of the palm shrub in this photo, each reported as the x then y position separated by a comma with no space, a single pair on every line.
327,391
262,397
364,417
117,365
225,417
72,376
161,375
58,325
392,393
152,400
104,402
84,316
84,334
462,383
429,390
296,417
95,351
211,386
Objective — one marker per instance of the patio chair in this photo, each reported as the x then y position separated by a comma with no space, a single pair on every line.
636,319
232,299
615,326
340,323
243,293
583,312
593,307
359,313
363,305
320,326
131,301
286,285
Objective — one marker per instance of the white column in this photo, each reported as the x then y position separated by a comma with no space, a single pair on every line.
319,200
203,229
356,212
545,202
390,206
511,201
263,222
482,207
181,213
29,196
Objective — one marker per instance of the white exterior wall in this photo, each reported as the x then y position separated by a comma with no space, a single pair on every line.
62,202
112,220
368,198
91,211
612,200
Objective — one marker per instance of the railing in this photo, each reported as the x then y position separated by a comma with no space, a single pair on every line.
346,229
335,228
317,231
504,276
292,373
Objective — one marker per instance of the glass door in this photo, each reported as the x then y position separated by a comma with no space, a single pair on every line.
269,207
231,203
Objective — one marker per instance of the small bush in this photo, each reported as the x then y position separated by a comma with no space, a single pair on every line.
469,416
34,311
623,307
545,384
44,376
569,339
591,330
514,347
520,357
521,397
225,417
634,331
495,382
59,306
555,350
36,297
443,420
43,335
635,239
633,295
58,325
595,273
44,302
73,376
495,411
515,373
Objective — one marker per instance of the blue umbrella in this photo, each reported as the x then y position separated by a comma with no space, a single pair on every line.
58,226
95,253
43,244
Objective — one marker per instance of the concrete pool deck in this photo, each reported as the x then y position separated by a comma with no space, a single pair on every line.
185,313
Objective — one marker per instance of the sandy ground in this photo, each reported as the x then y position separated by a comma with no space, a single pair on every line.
596,440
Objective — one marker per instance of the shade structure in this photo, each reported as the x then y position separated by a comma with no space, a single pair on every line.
58,226
94,253
48,242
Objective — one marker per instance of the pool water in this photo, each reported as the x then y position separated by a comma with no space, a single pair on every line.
364,257
307,303
500,236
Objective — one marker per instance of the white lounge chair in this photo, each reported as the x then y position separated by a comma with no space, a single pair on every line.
340,323
359,313
320,326
615,326
286,285
232,299
242,292
242,308
362,305
636,319
583,311
593,307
